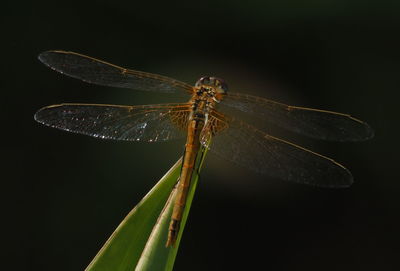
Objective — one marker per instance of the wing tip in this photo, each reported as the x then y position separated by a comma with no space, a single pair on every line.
346,180
45,57
346,184
339,185
369,132
40,114
365,133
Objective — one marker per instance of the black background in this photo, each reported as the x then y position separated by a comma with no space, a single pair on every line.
64,194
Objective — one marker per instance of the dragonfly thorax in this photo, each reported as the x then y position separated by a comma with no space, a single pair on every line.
208,92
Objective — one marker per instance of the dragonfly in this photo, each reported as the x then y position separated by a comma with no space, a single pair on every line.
205,117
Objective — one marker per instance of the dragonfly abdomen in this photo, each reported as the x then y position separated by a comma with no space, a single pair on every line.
192,146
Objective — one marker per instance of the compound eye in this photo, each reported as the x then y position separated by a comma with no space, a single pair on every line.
202,80
205,80
222,87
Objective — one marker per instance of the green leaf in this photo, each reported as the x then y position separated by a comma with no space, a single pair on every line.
139,241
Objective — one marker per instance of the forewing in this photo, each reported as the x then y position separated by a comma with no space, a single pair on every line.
314,123
99,72
150,123
247,146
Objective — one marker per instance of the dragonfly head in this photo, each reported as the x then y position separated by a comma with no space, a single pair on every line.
212,83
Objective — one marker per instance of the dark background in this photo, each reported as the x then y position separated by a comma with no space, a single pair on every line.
64,194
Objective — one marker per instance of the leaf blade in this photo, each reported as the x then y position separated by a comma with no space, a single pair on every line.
123,249
139,241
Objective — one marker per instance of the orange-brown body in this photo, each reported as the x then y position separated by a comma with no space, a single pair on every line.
191,149
204,99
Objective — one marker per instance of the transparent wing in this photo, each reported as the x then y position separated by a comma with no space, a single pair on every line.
99,72
314,123
245,145
149,123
